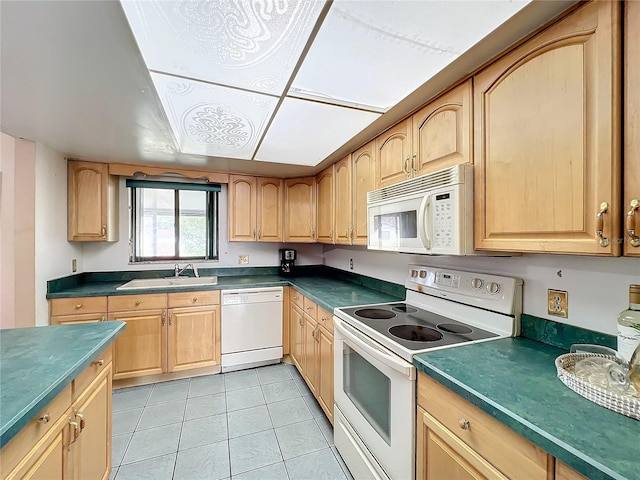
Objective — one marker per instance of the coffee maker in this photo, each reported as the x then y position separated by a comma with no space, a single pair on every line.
287,261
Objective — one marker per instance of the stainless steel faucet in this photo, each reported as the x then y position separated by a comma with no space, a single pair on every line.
178,271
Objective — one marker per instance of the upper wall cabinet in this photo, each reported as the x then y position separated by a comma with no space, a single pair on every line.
300,210
393,154
92,202
255,209
547,140
364,180
343,202
325,189
442,132
631,172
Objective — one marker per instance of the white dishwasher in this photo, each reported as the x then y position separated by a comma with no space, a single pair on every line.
251,327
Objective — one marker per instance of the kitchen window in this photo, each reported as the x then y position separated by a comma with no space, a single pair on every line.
173,221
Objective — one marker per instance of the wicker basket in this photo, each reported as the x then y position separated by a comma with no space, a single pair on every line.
627,403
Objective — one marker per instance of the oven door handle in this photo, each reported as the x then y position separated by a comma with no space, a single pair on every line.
377,352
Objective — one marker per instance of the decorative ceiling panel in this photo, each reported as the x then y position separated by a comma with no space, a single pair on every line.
212,120
305,132
378,52
242,43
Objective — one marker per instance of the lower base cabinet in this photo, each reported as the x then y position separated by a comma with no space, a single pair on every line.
193,338
71,438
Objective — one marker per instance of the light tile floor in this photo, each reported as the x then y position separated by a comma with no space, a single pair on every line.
261,423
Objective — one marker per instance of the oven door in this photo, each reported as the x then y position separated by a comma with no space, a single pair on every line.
375,391
400,225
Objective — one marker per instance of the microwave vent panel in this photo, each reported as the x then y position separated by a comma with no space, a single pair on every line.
442,178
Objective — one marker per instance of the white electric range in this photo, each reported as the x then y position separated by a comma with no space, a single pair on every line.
374,379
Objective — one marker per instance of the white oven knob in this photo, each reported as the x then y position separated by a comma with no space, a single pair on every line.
414,273
493,288
477,283
423,274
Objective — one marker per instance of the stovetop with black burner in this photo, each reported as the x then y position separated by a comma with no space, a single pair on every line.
415,328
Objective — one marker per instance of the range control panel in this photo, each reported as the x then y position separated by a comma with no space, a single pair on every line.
478,289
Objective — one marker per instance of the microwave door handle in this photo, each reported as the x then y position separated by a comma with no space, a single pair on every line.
424,222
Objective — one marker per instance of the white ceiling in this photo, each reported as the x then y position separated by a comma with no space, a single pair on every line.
73,77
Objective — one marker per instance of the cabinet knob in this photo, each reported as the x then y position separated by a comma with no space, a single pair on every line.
99,362
309,308
194,299
78,305
138,302
464,423
44,418
104,230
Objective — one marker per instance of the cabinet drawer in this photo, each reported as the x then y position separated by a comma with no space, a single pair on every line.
137,302
510,453
193,299
310,308
98,364
84,318
297,298
325,319
74,306
14,451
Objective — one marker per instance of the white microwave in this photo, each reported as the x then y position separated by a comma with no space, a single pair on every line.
431,214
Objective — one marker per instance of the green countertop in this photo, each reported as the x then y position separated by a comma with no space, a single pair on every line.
328,292
515,381
37,363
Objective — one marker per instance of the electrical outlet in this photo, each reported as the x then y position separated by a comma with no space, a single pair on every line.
351,263
243,259
558,303
74,265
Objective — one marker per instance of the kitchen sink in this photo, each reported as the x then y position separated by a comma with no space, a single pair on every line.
169,282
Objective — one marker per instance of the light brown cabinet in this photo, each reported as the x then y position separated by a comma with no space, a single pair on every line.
255,209
364,180
564,472
442,132
70,439
326,205
193,338
92,202
631,169
311,330
343,203
393,154
300,210
547,143
455,439
65,311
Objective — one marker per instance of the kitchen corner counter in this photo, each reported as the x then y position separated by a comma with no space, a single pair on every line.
37,363
515,381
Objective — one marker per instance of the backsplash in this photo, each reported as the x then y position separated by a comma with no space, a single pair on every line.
562,335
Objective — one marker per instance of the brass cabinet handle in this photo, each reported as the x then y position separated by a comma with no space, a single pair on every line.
351,236
82,422
103,319
405,169
300,322
464,423
634,240
315,333
138,302
78,305
604,241
259,233
413,164
313,234
254,234
44,418
99,362
76,430
331,233
171,320
103,230
194,299
164,322
346,233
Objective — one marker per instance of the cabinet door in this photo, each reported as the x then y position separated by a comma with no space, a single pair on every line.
393,154
296,323
364,180
91,450
193,338
442,132
547,146
242,208
343,202
310,362
269,209
631,173
324,347
300,210
90,196
440,454
142,347
564,472
326,197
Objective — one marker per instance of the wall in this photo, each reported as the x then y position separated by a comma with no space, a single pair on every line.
100,257
598,287
53,254
17,232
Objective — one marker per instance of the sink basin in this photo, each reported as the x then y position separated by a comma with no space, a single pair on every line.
170,282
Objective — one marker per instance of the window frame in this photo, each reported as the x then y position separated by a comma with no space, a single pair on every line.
212,219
